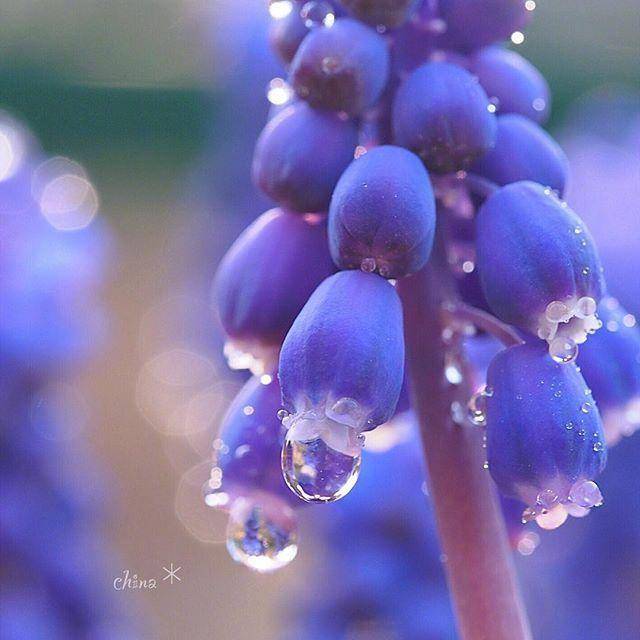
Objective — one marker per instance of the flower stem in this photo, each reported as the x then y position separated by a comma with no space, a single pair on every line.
472,533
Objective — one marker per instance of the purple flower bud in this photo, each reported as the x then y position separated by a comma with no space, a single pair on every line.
300,155
263,282
475,23
341,370
382,215
512,83
524,151
247,481
545,442
610,363
383,13
343,67
286,34
442,113
539,267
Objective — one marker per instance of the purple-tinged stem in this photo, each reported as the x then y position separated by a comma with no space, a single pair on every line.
481,320
472,533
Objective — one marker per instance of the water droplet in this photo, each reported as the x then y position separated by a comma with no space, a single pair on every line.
598,446
586,493
368,265
563,350
569,425
553,518
278,92
282,414
330,65
279,9
248,410
586,407
586,271
477,407
262,534
577,230
321,459
557,311
585,307
452,368
547,498
557,394
317,14
539,104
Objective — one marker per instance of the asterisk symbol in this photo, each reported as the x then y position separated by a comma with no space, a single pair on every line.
172,573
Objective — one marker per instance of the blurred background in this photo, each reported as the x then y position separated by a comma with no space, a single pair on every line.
160,102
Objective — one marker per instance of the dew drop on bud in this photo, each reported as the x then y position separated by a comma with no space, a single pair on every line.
261,533
317,14
368,265
321,459
477,407
586,494
563,350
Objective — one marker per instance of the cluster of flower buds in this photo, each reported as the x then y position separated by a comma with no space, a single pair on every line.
53,503
395,114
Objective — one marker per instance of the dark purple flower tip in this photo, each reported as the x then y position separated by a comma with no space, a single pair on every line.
341,371
300,155
286,34
381,13
524,151
343,67
610,363
382,215
442,113
512,83
471,24
264,281
539,267
545,442
247,451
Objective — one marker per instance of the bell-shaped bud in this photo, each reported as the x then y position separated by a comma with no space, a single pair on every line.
264,281
382,216
512,83
246,480
475,23
341,371
539,267
343,67
545,441
300,155
524,151
442,114
610,363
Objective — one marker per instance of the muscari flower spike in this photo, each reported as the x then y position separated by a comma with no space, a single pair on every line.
246,480
281,162
545,440
610,363
512,83
539,267
343,67
382,215
441,113
524,151
263,282
341,371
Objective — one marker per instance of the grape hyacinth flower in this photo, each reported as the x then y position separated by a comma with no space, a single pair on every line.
341,371
343,67
382,215
281,163
545,441
610,363
512,83
246,479
538,266
524,151
280,252
441,113
425,107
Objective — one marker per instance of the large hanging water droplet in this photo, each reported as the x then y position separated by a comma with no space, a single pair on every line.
321,459
586,494
261,533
